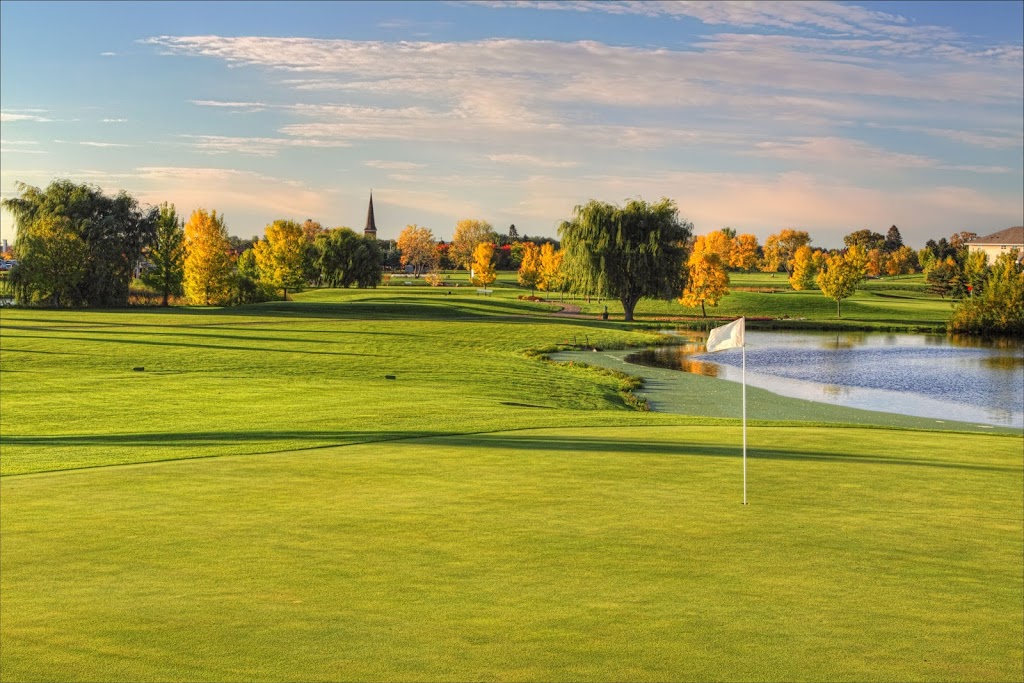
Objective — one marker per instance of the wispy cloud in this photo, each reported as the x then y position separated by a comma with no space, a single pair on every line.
20,147
530,160
394,165
113,120
22,115
833,150
256,146
108,54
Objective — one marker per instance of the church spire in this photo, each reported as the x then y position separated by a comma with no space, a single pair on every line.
371,226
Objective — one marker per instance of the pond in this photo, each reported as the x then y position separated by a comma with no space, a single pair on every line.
952,378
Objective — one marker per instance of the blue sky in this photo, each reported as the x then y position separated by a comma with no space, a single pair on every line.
827,117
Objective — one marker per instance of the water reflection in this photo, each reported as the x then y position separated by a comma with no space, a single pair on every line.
674,358
955,378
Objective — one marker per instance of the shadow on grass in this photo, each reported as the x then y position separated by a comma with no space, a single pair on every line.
218,347
477,441
576,444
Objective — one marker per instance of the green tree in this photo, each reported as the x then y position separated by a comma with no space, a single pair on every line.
999,308
626,252
208,267
893,240
944,276
166,254
51,263
975,271
114,231
839,279
865,239
281,256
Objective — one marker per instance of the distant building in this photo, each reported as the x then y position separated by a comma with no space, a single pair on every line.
371,225
1000,243
4,247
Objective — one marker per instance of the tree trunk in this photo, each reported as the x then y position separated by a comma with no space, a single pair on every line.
839,312
167,296
703,312
628,304
285,293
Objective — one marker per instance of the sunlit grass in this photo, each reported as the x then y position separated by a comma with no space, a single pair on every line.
287,512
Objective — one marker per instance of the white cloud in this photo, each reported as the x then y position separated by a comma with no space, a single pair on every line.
108,54
12,116
113,120
91,143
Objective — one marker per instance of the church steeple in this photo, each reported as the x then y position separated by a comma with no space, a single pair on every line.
371,226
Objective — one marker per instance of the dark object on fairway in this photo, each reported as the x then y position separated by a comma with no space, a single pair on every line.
390,377
138,369
604,316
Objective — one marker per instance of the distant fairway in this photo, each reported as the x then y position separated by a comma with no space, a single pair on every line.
261,503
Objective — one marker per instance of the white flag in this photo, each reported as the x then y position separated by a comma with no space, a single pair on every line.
726,337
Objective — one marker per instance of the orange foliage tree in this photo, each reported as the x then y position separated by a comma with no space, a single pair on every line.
707,282
419,249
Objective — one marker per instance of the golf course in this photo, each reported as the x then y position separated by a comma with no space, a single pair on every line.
405,484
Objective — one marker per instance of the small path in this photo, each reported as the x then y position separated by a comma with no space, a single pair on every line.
568,311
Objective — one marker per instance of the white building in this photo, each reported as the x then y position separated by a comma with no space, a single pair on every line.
999,243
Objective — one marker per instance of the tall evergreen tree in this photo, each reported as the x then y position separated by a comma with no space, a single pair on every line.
167,254
893,240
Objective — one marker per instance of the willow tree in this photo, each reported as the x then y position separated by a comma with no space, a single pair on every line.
626,252
113,232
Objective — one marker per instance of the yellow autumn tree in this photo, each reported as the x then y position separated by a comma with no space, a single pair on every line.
707,282
469,234
552,278
807,263
483,269
744,252
780,248
718,242
530,267
208,262
840,276
280,256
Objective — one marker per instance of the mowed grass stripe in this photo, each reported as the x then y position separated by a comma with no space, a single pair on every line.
590,554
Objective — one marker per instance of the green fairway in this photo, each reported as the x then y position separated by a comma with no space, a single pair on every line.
260,501
568,554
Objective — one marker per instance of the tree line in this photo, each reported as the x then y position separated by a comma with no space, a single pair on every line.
78,247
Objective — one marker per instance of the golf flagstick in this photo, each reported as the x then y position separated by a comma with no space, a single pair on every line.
732,336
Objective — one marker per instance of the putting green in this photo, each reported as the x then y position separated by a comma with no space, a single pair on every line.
596,553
